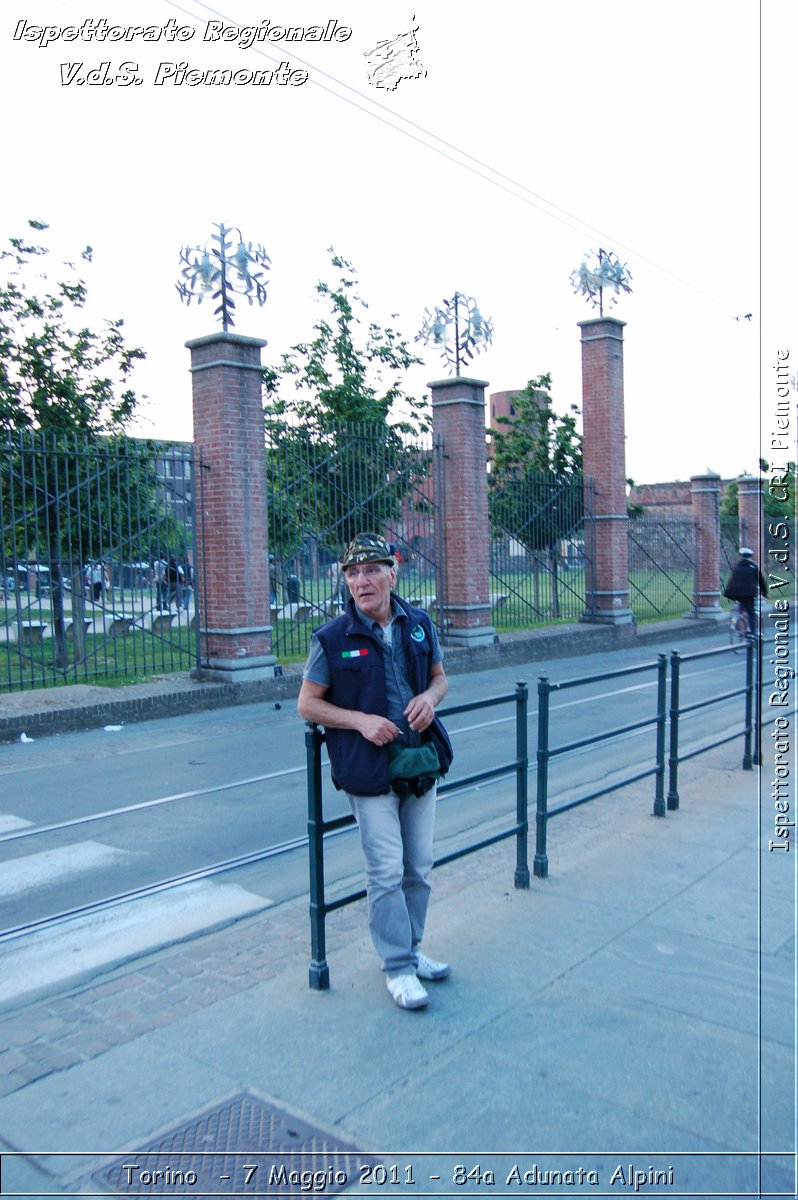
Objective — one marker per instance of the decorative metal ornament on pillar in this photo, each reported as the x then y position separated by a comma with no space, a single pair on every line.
598,272
459,316
227,395
459,330
603,449
225,266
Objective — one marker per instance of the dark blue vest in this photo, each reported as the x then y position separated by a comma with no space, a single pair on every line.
355,657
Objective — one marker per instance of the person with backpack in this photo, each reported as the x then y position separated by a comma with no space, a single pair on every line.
746,582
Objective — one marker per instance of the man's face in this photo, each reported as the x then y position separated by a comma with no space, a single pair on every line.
370,585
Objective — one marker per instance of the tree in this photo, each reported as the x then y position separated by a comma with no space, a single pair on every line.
338,376
63,386
57,375
773,501
342,428
535,482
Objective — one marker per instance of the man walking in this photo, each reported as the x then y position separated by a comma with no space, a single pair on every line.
373,679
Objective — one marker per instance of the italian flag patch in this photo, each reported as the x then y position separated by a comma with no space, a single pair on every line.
353,653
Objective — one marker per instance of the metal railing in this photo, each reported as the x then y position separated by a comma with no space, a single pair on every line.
545,753
677,710
318,828
665,720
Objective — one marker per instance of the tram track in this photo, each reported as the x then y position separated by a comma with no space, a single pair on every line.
196,793
198,875
234,862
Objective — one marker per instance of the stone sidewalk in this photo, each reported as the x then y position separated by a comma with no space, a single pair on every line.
633,1011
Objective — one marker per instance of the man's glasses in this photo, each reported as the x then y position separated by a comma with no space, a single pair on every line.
369,570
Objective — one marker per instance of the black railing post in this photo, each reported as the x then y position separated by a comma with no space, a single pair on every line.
748,762
757,751
662,716
522,796
541,863
673,758
319,974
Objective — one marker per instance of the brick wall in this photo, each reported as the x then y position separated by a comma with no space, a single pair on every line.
604,462
458,419
232,541
706,492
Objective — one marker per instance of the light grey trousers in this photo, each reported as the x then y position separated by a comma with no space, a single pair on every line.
397,839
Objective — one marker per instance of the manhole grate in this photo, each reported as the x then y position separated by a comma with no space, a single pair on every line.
244,1146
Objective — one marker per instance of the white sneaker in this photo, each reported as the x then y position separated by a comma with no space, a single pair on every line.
407,992
428,968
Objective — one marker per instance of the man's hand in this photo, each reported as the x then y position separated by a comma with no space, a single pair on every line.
313,707
378,730
420,712
421,709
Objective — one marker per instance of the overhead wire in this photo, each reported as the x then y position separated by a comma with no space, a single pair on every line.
510,186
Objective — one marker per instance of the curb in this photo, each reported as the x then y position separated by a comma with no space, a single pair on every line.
79,707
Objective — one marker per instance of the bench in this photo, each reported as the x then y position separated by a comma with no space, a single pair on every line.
31,633
162,623
297,612
69,627
118,626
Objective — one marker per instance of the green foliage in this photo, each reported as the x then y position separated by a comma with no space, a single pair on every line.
339,375
340,425
773,501
537,440
57,375
634,511
68,501
535,463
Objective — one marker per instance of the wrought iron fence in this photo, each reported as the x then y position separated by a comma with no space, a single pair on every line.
732,536
541,562
662,565
324,490
96,554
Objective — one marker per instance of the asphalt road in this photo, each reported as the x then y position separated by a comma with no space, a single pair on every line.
134,806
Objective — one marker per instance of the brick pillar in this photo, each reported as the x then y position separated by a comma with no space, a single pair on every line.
751,515
232,560
458,420
705,495
604,465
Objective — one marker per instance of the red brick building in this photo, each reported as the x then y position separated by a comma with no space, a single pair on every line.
668,499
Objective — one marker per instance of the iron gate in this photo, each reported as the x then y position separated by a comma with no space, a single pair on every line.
541,561
322,491
96,560
662,566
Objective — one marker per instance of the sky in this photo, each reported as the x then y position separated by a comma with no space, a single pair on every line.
533,134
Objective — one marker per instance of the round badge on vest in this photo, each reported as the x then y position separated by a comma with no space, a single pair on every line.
417,634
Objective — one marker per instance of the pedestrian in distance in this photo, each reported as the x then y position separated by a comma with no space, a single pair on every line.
188,586
173,578
159,567
373,679
746,582
97,576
